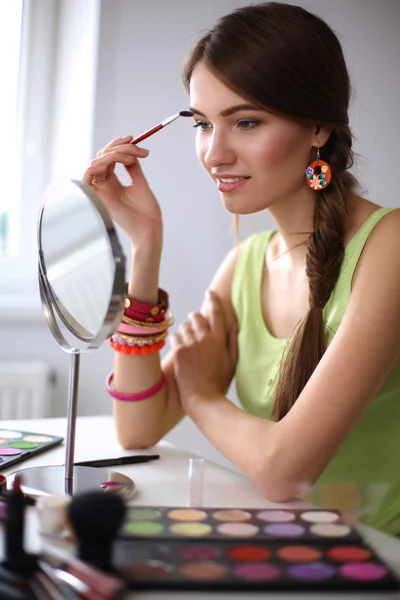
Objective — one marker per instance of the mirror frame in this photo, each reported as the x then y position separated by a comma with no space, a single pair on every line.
50,305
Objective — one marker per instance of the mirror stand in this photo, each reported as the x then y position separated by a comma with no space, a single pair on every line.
74,231
69,479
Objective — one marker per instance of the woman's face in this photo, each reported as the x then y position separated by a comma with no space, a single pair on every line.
255,158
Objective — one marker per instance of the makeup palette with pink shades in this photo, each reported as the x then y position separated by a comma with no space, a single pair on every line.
247,549
16,446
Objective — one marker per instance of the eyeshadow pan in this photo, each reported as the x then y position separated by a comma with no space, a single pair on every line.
249,553
189,514
39,439
143,514
363,571
10,434
198,552
320,516
257,571
10,451
349,554
330,530
238,529
2,440
203,570
284,529
22,445
276,516
317,571
232,515
299,553
143,528
194,529
152,569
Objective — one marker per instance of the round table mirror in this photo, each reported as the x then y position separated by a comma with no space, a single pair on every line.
82,290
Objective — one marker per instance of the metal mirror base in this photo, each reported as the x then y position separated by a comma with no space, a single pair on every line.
39,481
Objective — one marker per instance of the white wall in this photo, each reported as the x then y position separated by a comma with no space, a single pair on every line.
142,44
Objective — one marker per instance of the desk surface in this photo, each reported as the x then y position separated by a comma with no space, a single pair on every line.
165,483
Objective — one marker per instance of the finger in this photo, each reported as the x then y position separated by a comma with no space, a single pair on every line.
188,336
101,168
175,341
199,323
93,175
217,315
126,149
116,142
136,174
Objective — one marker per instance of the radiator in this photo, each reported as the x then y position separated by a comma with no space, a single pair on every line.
26,389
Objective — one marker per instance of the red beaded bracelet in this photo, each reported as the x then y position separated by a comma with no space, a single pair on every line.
146,312
137,350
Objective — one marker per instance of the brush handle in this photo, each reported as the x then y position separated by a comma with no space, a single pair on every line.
147,133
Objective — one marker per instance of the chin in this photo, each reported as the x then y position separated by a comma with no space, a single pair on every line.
241,206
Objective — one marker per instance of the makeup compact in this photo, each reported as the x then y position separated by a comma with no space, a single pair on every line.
181,548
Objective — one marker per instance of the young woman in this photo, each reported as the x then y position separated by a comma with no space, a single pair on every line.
306,317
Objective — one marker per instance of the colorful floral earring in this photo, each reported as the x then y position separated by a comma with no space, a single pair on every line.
318,174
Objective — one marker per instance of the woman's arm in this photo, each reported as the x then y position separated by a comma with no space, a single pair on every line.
142,424
285,457
135,208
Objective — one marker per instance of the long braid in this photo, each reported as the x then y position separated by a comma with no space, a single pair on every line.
325,251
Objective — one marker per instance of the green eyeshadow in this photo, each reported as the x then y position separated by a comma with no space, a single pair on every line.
22,445
143,528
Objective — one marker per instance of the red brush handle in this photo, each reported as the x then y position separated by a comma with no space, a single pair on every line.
147,133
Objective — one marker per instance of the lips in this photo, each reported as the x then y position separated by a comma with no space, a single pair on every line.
228,184
230,179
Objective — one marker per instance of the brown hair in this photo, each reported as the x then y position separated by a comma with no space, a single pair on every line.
289,61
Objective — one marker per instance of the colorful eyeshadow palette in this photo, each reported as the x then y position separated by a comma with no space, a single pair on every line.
16,446
228,523
189,558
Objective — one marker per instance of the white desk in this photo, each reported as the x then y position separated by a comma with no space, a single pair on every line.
165,483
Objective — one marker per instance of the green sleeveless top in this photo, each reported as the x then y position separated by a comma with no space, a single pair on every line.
363,478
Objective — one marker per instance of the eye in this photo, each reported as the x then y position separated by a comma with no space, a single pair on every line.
248,123
203,125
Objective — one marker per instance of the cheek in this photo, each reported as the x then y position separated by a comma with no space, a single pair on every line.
275,150
281,150
201,150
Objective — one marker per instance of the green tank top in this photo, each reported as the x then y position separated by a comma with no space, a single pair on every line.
363,478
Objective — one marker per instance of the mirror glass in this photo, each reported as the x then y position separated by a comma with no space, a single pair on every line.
79,256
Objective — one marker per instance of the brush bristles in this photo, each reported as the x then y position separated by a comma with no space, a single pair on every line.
186,113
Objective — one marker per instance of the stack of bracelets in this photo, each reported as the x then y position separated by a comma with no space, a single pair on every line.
144,326
142,331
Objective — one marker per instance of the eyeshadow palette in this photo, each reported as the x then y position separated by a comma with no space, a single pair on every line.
227,523
153,553
16,446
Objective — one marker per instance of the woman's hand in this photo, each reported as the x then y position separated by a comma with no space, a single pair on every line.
133,207
204,354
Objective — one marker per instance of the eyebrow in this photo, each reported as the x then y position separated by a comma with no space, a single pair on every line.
230,111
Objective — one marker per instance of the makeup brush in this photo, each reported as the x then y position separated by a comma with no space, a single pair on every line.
149,132
16,559
96,518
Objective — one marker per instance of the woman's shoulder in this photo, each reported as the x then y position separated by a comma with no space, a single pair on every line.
362,212
375,239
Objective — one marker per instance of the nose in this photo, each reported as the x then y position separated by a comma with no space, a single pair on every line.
219,150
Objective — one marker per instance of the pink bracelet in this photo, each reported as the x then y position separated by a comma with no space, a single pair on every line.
134,397
135,330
